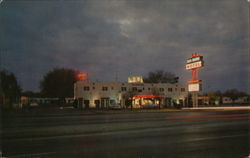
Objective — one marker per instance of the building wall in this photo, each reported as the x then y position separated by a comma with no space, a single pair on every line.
92,91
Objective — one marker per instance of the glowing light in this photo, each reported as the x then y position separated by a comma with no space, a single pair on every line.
82,76
135,79
194,87
194,65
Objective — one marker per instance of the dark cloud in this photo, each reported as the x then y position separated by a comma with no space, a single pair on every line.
126,37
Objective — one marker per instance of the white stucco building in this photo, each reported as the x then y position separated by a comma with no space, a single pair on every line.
139,94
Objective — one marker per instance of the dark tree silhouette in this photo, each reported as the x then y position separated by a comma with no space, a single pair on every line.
160,76
31,94
10,90
59,83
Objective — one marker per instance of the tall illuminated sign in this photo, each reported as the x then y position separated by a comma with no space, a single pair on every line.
194,63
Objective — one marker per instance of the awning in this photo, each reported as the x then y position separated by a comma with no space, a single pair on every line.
148,96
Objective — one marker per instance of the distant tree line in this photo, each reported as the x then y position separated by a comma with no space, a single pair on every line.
233,94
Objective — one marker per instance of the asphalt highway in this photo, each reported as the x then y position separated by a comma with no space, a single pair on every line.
192,134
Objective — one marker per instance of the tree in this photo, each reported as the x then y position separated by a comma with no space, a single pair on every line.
59,83
215,97
234,94
31,94
10,90
160,76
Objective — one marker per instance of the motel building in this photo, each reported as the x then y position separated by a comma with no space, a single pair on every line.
124,94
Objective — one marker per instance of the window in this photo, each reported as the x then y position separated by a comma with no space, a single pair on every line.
149,89
104,88
161,89
139,90
175,89
112,88
183,89
93,88
134,88
170,89
85,88
124,88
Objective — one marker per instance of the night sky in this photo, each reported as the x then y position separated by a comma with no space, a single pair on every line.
109,38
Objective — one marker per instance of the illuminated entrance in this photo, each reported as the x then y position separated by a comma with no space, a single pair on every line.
143,101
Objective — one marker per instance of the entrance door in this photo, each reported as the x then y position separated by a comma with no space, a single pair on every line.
97,104
80,103
104,103
86,103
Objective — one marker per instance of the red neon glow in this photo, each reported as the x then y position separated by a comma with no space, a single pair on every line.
195,55
82,76
148,96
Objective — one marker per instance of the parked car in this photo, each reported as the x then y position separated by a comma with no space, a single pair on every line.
115,106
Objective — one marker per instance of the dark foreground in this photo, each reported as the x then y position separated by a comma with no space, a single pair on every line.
214,134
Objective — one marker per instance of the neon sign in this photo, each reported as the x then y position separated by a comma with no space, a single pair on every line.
194,65
82,76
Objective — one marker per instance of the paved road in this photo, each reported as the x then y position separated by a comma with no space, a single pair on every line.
214,134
